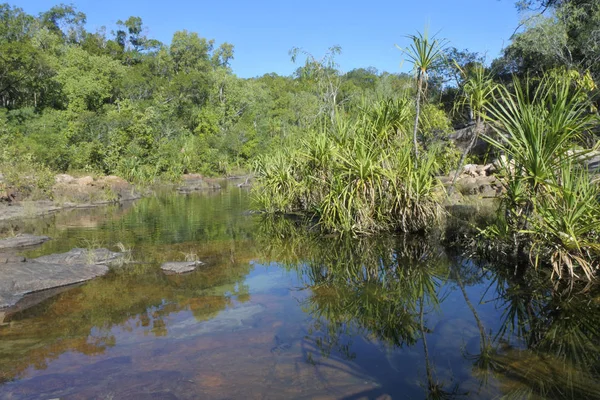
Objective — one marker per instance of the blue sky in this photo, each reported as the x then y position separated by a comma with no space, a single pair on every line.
264,31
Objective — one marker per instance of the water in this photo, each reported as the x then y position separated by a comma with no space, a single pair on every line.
277,312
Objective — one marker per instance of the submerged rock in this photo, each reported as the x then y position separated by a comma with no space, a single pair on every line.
81,256
19,279
23,240
230,320
181,267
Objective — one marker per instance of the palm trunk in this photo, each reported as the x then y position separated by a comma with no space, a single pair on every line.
418,111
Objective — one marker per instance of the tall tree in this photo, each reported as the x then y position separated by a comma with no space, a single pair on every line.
426,54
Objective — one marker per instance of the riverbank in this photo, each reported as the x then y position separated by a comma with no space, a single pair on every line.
71,192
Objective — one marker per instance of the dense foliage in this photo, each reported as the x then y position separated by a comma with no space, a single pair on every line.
122,103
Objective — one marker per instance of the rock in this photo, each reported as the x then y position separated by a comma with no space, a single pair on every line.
114,182
85,181
181,267
471,169
489,169
487,186
9,258
81,256
462,137
23,240
593,162
19,279
196,182
63,178
229,320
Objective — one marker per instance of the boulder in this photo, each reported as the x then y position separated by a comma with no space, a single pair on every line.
593,162
180,267
462,137
63,178
487,186
23,240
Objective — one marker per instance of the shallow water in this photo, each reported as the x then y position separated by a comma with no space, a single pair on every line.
279,313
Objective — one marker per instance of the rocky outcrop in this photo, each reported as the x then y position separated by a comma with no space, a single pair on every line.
67,192
92,191
195,182
475,179
20,241
181,267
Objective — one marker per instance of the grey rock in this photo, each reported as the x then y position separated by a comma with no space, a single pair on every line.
24,240
181,267
11,258
593,163
81,256
19,279
462,137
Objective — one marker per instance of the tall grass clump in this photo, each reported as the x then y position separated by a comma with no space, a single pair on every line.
551,205
357,175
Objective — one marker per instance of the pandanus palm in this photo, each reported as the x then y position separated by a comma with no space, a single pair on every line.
426,54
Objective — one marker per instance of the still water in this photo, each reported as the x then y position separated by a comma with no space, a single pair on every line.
277,312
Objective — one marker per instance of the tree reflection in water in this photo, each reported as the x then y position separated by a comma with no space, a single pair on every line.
382,289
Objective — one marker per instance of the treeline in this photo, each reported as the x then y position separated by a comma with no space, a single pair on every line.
122,103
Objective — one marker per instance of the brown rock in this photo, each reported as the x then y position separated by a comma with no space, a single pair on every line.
63,178
85,181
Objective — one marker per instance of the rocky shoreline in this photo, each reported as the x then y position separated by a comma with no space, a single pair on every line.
26,282
69,192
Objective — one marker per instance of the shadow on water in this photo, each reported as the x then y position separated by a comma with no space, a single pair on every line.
281,312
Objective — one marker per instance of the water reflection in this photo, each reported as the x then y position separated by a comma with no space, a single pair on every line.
279,311
545,346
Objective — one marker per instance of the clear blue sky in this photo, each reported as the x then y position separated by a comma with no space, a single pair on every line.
264,31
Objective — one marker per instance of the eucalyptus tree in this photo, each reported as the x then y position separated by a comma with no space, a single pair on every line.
426,54
324,73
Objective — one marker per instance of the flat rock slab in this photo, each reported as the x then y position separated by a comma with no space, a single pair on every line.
181,267
22,241
19,279
81,256
11,258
